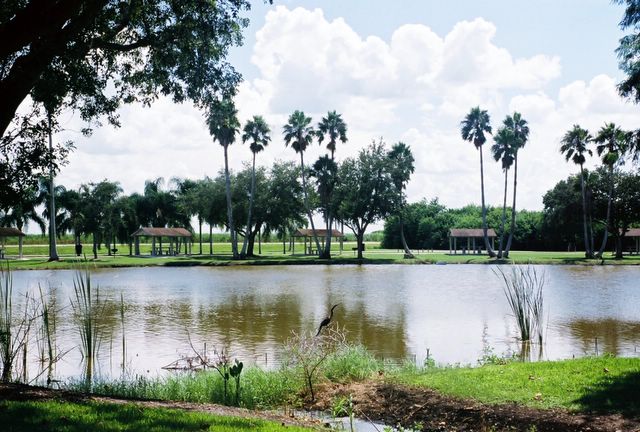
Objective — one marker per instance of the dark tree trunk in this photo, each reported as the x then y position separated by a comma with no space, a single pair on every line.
513,207
227,184
504,216
606,228
485,229
306,203
588,251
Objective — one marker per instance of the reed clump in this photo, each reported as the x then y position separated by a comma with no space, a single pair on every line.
523,287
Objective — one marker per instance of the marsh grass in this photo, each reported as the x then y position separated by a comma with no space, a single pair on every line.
87,306
523,290
15,326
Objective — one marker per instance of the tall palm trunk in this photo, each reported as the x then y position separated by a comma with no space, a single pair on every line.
200,233
306,202
504,215
487,246
227,186
326,253
588,251
513,207
210,240
606,227
53,250
253,190
405,246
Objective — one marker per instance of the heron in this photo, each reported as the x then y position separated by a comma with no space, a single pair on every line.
325,322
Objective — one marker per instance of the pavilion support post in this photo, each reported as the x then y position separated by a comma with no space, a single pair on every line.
493,243
160,247
474,246
455,245
468,244
450,244
137,246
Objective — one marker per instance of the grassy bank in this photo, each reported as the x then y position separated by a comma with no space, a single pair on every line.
603,384
272,255
599,384
27,416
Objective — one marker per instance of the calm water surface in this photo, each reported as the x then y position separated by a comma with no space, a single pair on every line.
397,311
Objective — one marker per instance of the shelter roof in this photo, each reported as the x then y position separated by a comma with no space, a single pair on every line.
10,232
161,232
633,232
303,232
471,232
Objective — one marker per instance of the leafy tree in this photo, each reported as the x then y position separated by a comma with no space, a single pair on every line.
611,145
73,221
223,127
285,201
299,133
629,50
520,132
366,192
503,151
473,129
97,199
401,162
23,212
25,157
257,132
626,208
76,50
325,171
574,147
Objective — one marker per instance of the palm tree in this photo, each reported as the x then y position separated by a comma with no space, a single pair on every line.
502,150
257,131
333,127
299,134
612,143
223,126
575,146
473,129
21,213
401,170
325,171
520,132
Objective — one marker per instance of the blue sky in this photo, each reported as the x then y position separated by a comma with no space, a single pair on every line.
403,70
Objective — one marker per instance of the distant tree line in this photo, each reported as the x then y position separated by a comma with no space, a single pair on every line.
559,226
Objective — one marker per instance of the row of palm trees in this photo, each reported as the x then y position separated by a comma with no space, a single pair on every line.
614,146
510,137
298,133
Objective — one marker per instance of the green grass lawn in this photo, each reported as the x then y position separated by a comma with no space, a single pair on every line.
17,416
601,384
36,257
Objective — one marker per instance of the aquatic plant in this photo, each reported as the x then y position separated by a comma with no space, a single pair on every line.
87,306
523,290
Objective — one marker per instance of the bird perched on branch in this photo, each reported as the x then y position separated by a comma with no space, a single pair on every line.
325,322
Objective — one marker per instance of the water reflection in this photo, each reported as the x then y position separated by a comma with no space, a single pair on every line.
396,311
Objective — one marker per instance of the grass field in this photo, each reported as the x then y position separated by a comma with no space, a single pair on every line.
27,416
599,384
35,257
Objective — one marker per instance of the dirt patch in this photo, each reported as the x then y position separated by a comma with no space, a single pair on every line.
398,405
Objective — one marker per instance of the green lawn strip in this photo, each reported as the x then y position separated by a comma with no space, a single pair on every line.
83,416
599,384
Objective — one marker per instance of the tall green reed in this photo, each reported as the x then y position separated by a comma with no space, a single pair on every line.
523,290
87,306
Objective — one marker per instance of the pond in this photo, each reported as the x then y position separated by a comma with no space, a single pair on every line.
453,312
